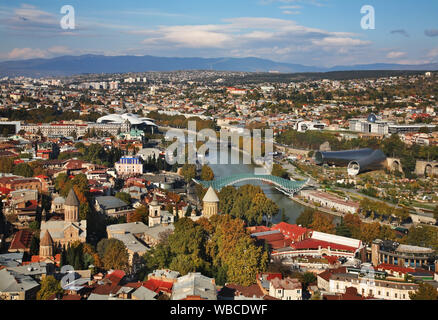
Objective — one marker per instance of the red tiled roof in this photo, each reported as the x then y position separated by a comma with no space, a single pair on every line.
249,292
74,164
106,289
395,268
134,285
116,276
56,259
291,231
315,244
22,240
328,273
331,259
5,191
350,294
258,229
158,285
269,276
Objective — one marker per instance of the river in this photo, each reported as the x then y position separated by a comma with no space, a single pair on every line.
291,209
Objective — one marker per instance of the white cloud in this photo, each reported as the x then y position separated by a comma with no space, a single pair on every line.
273,38
340,42
433,53
291,12
395,54
33,53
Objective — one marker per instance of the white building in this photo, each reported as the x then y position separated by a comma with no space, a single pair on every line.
304,126
286,289
330,201
129,166
368,287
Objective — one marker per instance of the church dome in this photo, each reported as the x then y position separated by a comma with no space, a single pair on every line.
210,196
47,240
72,199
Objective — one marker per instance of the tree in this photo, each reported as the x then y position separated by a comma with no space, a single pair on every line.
435,212
353,223
189,211
188,171
370,232
306,218
425,292
141,214
49,287
116,256
60,181
23,170
207,173
245,262
279,171
6,165
84,211
183,263
342,230
323,223
260,206
284,217
34,225
423,236
34,246
226,199
307,278
125,197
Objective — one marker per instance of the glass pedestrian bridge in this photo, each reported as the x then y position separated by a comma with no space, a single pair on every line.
288,187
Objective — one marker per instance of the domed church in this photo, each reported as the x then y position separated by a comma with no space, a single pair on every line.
61,233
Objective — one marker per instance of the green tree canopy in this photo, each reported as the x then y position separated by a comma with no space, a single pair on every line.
188,171
49,287
207,173
425,292
24,170
125,197
115,255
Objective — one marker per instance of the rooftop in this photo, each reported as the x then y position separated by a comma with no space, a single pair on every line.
210,196
72,199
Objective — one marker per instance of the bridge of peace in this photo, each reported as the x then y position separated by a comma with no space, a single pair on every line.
288,187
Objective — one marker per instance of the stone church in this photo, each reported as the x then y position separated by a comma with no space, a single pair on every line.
61,233
210,204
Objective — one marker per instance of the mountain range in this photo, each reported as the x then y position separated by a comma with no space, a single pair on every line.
92,64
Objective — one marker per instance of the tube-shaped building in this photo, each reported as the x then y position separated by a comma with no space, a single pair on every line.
357,161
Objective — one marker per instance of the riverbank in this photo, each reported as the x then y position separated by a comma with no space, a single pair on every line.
291,209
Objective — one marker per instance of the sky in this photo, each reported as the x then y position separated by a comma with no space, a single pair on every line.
309,32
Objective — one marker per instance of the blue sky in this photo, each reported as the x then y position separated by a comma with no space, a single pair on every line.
310,32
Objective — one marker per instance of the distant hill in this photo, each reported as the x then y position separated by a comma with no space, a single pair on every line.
72,65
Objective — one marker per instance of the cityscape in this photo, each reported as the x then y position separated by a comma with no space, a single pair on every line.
154,178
